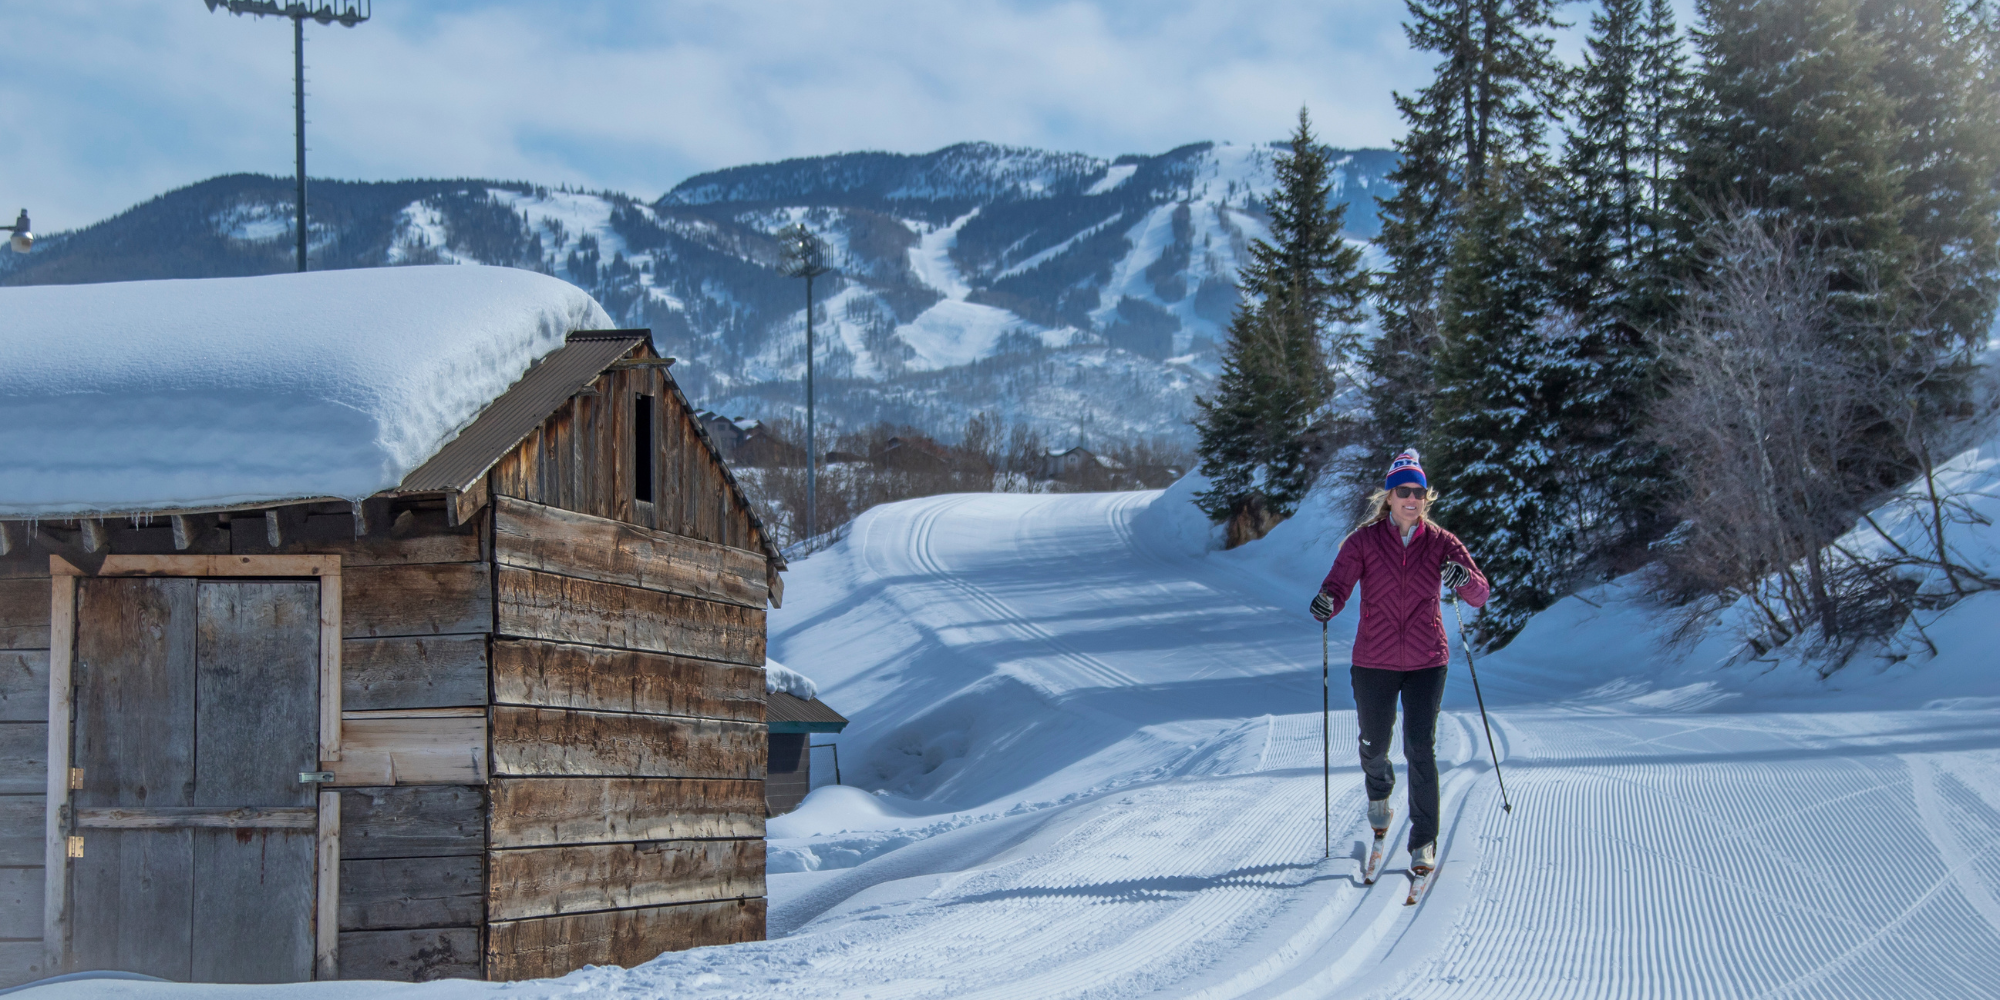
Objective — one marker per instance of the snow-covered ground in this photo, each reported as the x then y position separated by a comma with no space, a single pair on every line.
1086,762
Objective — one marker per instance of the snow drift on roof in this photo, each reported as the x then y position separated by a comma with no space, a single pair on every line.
778,677
152,395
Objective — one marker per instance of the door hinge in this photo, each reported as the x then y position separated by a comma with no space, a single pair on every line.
315,777
76,847
76,779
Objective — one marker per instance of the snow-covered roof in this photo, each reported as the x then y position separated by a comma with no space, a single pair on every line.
155,395
778,677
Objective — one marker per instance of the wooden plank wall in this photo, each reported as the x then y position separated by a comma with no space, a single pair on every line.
24,735
581,460
417,617
417,606
628,742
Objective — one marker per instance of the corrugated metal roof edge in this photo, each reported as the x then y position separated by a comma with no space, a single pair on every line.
785,712
511,417
793,708
158,512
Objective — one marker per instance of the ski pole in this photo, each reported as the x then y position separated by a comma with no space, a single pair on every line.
1505,804
1325,744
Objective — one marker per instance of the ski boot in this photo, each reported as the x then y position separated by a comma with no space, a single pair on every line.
1379,815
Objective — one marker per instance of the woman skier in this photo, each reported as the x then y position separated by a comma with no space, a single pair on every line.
1400,556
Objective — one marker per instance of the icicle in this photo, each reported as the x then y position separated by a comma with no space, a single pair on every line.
182,532
271,532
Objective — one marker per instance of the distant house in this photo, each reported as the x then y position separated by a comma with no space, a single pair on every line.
726,432
1075,462
762,447
398,623
792,713
905,454
750,443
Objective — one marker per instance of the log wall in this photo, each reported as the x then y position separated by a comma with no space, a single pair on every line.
628,741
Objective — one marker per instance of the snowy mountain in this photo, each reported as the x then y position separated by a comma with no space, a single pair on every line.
1083,295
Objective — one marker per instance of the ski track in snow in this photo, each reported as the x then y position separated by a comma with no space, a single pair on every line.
1170,850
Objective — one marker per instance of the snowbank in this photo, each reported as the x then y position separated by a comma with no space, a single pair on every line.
146,395
778,677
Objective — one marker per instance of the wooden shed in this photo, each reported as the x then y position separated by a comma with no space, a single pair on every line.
791,721
500,721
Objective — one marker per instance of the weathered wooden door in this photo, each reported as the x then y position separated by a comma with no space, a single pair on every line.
196,712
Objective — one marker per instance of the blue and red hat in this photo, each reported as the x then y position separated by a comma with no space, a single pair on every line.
1405,470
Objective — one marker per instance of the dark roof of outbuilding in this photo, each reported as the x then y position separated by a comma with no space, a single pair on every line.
788,713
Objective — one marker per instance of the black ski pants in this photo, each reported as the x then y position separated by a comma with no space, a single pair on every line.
1422,691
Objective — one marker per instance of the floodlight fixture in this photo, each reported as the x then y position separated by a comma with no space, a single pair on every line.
802,254
347,14
23,237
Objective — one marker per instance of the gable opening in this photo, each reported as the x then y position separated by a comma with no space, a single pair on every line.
644,445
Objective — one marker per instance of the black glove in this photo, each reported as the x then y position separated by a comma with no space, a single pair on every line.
1322,606
1455,575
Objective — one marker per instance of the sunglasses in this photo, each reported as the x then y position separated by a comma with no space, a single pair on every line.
1411,492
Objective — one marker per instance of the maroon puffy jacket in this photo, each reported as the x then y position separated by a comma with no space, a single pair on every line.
1402,622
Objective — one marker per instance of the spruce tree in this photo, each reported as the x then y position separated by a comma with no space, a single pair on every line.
1939,73
1487,105
1460,368
1613,260
1795,126
1867,127
1504,375
1300,291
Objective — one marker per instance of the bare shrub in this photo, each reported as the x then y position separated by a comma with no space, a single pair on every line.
1777,430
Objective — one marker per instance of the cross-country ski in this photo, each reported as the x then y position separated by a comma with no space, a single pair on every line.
1373,866
1420,880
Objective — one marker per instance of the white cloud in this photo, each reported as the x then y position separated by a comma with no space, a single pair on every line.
105,104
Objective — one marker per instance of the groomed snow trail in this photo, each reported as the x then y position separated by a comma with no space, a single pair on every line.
1098,756
1147,717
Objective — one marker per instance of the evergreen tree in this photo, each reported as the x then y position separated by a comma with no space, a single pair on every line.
1487,105
1867,127
1461,367
1795,126
1613,259
1620,160
1939,73
1505,375
1300,292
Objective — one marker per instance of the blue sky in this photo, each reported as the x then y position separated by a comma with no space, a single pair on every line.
110,102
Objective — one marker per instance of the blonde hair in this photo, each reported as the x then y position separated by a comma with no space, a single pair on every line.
1378,507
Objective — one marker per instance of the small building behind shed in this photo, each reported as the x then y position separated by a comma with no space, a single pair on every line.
388,624
793,713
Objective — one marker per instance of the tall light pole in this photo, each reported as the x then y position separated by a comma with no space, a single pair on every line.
23,237
348,13
803,255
